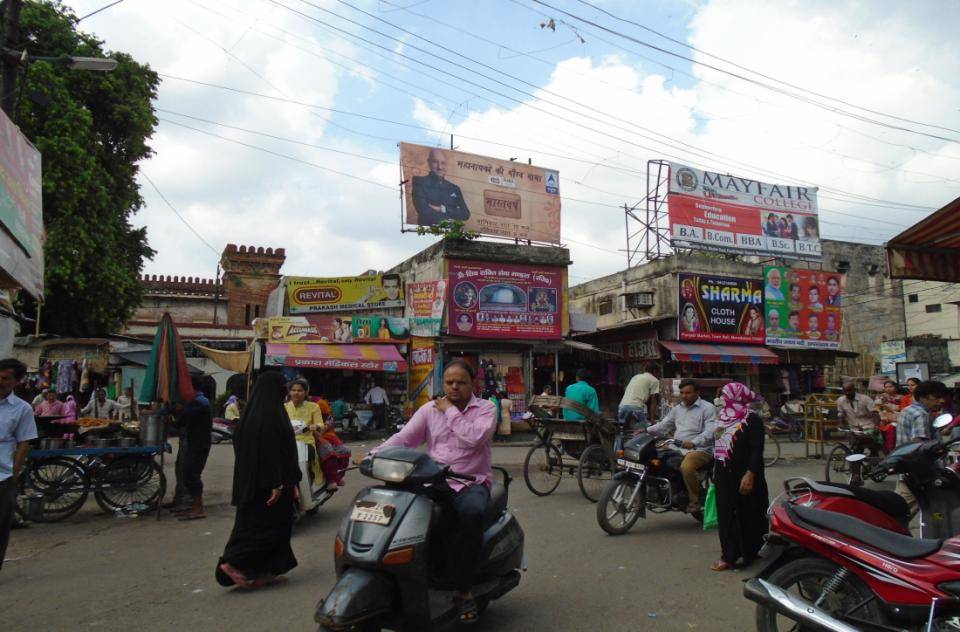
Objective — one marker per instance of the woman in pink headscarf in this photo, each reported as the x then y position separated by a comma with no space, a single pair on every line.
738,474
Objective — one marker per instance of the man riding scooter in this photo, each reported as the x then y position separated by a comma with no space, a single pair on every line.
458,430
692,424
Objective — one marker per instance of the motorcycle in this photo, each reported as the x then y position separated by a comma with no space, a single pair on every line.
645,481
832,571
388,557
222,429
348,423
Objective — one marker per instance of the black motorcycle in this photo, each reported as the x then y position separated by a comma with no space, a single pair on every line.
390,551
644,480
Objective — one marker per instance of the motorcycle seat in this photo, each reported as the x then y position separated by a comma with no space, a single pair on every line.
890,542
888,502
496,506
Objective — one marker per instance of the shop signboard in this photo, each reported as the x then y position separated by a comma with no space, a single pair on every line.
803,307
426,300
496,300
892,352
715,211
307,295
21,211
427,327
422,360
348,357
329,329
493,197
633,350
727,310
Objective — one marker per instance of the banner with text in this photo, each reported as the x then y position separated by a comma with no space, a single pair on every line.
422,359
720,309
377,291
496,300
803,307
328,329
493,197
21,211
715,211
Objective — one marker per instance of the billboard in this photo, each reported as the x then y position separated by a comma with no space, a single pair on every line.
21,211
330,329
376,291
719,309
804,307
426,300
724,213
493,197
497,300
892,352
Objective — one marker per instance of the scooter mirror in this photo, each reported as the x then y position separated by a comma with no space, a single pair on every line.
942,421
855,458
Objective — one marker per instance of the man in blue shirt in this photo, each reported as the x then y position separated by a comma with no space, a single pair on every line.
582,393
17,428
914,424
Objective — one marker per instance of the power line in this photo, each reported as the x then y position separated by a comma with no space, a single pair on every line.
179,216
103,8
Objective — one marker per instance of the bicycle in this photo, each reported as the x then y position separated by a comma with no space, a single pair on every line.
838,468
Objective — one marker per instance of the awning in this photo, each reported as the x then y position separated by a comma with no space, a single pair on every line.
237,361
930,249
731,354
323,356
583,346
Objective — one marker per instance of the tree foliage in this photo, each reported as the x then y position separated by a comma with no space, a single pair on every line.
452,229
91,129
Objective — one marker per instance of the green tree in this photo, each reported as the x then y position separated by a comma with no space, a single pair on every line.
91,129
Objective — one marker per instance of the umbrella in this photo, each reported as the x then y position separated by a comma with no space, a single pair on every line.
167,378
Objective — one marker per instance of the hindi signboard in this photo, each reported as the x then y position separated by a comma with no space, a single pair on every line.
426,300
803,307
493,197
892,352
724,213
422,361
21,211
329,329
376,291
497,300
720,309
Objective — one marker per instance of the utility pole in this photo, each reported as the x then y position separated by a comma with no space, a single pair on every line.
10,42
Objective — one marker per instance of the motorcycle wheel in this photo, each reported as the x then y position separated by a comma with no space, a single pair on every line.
805,577
612,514
593,472
542,469
837,470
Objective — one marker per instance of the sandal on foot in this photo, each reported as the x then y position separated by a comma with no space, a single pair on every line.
238,578
468,609
720,565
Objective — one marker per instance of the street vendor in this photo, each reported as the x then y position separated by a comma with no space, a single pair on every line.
99,407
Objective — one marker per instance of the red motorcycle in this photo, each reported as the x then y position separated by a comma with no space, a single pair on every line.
833,565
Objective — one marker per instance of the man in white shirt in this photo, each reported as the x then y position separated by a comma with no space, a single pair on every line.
17,428
378,400
99,407
641,397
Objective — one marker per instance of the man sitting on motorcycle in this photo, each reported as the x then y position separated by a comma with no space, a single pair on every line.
691,423
458,430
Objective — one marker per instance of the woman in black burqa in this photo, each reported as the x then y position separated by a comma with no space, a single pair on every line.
265,477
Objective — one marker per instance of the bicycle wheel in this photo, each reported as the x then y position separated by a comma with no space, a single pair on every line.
61,481
542,468
593,472
771,449
128,481
837,469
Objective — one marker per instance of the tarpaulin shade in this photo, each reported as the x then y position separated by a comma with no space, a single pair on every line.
353,357
930,249
731,354
237,361
167,378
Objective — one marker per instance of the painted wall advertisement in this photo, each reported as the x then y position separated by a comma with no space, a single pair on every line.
21,211
493,197
309,295
803,307
494,300
715,211
720,309
329,329
426,300
892,352
422,361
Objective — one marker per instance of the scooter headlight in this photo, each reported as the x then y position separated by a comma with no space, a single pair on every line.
390,471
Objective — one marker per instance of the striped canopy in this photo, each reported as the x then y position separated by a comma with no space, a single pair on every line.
167,378
930,249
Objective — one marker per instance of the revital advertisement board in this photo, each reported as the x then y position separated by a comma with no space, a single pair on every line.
720,309
378,291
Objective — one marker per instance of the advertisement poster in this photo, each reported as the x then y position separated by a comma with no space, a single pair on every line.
724,213
309,295
426,298
422,360
425,327
21,211
892,352
720,309
803,307
327,329
493,197
495,300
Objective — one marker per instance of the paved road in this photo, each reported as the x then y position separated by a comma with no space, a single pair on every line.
103,573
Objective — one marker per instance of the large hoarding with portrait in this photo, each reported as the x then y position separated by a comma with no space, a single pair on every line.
21,211
307,295
496,300
804,307
720,309
724,213
493,197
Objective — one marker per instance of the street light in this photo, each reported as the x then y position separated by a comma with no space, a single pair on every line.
97,64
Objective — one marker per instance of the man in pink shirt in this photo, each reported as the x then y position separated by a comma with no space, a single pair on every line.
458,430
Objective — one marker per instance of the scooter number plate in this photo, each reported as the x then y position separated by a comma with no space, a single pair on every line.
376,513
630,465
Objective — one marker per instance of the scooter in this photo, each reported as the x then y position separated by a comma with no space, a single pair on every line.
830,571
313,493
222,430
389,557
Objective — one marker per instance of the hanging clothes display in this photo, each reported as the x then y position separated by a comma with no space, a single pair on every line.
66,376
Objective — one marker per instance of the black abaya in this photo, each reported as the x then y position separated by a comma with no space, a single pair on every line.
742,520
266,459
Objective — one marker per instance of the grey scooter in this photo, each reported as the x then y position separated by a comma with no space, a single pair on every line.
388,561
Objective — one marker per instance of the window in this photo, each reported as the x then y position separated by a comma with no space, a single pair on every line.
913,298
931,309
256,311
246,314
605,306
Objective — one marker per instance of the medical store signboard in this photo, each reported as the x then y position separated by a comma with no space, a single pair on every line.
725,310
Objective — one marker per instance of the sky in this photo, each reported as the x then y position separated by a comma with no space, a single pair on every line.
280,118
